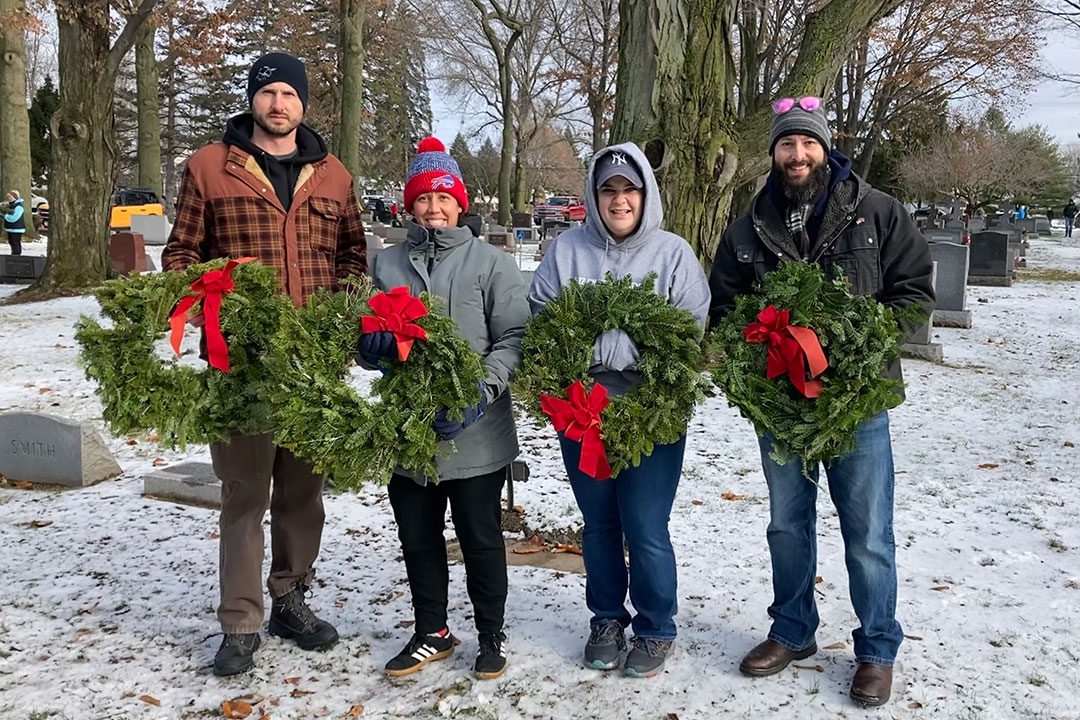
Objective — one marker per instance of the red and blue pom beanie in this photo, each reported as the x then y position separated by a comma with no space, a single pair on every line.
433,170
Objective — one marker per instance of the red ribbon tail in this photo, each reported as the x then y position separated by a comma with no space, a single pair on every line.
178,320
216,348
594,462
404,346
808,356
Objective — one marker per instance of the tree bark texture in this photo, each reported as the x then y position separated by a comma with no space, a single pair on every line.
352,84
149,109
14,115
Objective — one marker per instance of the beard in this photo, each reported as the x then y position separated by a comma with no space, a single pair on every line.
809,189
263,121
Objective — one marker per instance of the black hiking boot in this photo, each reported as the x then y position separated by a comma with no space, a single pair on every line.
292,619
236,654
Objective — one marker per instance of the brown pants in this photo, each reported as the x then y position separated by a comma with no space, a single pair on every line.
245,467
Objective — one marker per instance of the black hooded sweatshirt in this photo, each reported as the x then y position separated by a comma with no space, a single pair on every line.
281,171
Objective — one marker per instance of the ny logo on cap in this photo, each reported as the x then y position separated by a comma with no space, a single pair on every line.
618,158
445,181
265,71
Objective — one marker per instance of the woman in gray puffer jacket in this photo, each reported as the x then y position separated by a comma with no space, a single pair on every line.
486,295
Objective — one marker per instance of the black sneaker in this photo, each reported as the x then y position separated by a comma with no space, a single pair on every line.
292,619
606,644
491,656
236,654
646,658
419,651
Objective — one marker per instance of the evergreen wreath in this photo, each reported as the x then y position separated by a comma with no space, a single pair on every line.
858,335
324,420
140,392
557,351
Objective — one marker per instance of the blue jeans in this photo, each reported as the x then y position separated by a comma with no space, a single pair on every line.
636,504
861,486
1068,227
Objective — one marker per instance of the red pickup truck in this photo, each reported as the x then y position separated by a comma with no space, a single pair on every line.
560,207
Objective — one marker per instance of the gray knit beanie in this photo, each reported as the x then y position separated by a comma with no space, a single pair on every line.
797,121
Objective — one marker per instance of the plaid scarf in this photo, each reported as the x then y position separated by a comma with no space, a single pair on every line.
796,224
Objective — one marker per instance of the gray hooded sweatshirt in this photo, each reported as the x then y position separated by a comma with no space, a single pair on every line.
485,294
588,253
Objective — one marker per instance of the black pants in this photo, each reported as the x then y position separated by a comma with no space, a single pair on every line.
15,241
475,505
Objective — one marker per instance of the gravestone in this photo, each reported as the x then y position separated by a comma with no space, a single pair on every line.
188,482
127,253
495,227
499,239
955,225
396,235
991,259
150,266
374,242
1027,225
951,288
1042,225
41,448
976,224
521,220
921,345
949,235
379,229
524,236
154,228
366,218
21,269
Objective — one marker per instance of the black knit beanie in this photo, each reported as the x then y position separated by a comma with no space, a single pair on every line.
278,67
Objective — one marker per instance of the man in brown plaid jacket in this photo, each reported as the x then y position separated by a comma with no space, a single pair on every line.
270,191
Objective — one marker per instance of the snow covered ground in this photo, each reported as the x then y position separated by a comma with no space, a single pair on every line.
108,610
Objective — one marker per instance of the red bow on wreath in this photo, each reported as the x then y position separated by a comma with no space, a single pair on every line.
579,417
209,289
791,349
395,312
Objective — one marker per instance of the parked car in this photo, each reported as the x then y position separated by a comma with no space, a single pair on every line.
133,201
560,207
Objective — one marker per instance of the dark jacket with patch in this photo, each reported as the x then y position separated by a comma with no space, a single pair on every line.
864,235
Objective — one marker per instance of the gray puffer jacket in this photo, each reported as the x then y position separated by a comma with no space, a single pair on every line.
485,294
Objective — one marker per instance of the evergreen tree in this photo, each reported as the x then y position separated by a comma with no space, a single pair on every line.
45,102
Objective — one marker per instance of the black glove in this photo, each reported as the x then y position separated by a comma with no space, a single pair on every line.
376,346
450,429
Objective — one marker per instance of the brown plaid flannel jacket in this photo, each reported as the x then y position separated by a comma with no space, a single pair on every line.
227,208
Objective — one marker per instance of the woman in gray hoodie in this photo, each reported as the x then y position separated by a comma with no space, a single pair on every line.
622,236
485,294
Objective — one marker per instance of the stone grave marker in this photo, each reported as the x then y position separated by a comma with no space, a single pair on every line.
921,344
1042,225
1027,225
396,235
499,239
949,235
378,229
955,224
188,482
976,224
42,448
521,220
127,253
154,228
992,260
952,263
21,269
374,242
524,236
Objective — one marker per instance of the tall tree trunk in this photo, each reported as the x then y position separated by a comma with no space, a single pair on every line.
352,84
84,149
675,98
14,116
149,109
170,140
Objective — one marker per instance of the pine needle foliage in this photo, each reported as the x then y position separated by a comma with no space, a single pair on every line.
557,351
859,336
142,393
353,439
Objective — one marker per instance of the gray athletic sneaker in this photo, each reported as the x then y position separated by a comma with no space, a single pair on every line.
646,658
606,645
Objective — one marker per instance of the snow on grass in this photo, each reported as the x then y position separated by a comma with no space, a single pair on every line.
114,599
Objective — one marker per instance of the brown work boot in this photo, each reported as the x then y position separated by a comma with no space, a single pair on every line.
872,684
770,657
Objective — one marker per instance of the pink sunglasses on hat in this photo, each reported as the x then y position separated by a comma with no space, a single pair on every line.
808,103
